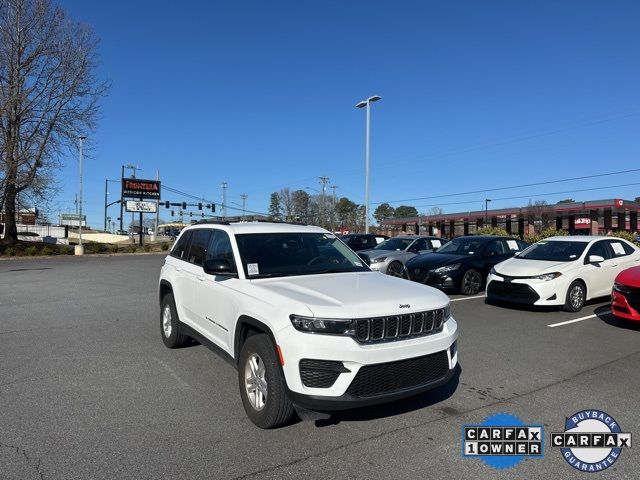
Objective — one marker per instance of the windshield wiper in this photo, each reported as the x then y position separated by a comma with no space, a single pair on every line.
268,275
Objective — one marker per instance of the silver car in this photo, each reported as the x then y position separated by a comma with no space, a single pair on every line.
390,256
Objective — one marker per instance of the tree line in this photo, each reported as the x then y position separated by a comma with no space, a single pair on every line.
328,211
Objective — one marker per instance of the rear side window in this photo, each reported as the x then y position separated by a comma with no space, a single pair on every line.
179,250
620,248
199,246
220,247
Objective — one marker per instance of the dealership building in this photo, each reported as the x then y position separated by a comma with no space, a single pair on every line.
595,217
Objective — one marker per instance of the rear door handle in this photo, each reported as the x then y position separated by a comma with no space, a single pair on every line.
201,278
178,269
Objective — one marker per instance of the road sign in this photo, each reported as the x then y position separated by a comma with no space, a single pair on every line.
72,219
134,187
144,207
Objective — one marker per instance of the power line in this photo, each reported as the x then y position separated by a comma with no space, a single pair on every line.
194,197
549,182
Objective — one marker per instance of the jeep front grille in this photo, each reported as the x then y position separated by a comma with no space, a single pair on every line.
399,327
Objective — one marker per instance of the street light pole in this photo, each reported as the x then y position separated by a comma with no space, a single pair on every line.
79,248
244,201
367,103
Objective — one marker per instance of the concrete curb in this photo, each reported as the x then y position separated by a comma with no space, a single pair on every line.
43,257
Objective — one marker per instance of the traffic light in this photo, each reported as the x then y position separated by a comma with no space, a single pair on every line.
200,206
191,214
184,205
213,207
167,204
172,213
202,215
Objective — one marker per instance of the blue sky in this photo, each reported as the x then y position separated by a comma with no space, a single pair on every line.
262,95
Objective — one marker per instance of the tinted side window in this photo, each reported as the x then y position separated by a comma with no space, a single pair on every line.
179,250
199,246
420,244
601,249
220,247
495,246
619,248
370,242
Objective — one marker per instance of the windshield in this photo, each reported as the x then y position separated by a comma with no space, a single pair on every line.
284,254
463,246
395,244
555,251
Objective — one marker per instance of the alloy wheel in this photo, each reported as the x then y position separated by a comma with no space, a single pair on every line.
472,282
255,382
576,297
395,269
166,321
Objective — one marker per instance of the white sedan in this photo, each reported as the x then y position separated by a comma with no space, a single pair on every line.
564,271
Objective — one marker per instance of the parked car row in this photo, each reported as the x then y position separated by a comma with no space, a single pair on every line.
564,271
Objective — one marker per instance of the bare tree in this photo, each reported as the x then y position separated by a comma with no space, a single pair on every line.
48,95
538,215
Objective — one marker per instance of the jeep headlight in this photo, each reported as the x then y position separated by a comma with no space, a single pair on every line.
331,326
547,276
378,259
447,268
447,312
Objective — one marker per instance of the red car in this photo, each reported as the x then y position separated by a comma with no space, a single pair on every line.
625,297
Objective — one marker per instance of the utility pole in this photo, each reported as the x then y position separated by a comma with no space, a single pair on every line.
224,199
79,248
244,202
486,206
323,182
155,228
333,209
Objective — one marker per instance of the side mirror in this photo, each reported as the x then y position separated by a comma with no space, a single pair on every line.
219,267
365,258
595,259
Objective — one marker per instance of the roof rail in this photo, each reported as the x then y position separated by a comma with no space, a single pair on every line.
212,222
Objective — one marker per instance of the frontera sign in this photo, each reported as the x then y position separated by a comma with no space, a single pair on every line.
134,187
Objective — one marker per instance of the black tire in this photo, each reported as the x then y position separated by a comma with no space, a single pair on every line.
276,409
471,282
576,295
395,269
171,333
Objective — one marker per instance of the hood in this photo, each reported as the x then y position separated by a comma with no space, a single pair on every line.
380,253
430,261
629,277
351,295
519,267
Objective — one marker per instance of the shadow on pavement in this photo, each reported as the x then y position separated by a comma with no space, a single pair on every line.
604,314
398,407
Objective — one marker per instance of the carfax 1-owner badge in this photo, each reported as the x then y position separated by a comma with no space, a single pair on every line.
592,440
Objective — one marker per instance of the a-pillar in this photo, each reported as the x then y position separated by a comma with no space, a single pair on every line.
593,215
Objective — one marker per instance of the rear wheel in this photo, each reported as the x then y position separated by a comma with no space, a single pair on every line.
262,386
395,269
170,330
471,282
576,295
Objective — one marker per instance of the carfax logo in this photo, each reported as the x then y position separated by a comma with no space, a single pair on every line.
592,440
503,441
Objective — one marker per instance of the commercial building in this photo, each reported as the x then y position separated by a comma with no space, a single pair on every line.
595,217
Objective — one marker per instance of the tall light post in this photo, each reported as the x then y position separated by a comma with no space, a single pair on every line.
107,205
367,103
79,250
244,202
225,185
486,210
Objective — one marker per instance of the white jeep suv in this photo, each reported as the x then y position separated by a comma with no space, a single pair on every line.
307,323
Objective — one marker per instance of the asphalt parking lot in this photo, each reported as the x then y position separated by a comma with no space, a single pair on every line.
88,390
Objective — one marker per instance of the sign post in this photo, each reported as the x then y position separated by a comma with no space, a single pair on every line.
141,190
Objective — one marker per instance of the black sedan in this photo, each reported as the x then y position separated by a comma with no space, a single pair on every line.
464,263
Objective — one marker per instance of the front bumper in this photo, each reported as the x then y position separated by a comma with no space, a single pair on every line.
525,291
442,281
621,307
342,393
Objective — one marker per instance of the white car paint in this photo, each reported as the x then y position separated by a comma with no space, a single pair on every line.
212,306
598,277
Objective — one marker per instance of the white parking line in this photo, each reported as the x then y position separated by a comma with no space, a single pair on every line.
466,298
572,321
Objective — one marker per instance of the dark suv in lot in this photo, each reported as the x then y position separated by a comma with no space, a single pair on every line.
362,241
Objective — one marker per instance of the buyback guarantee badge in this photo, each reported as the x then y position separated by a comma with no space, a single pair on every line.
592,440
502,441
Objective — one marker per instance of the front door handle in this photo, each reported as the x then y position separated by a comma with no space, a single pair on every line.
178,269
200,277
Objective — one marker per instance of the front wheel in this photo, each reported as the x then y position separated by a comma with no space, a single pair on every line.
395,269
471,282
576,296
170,329
262,386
